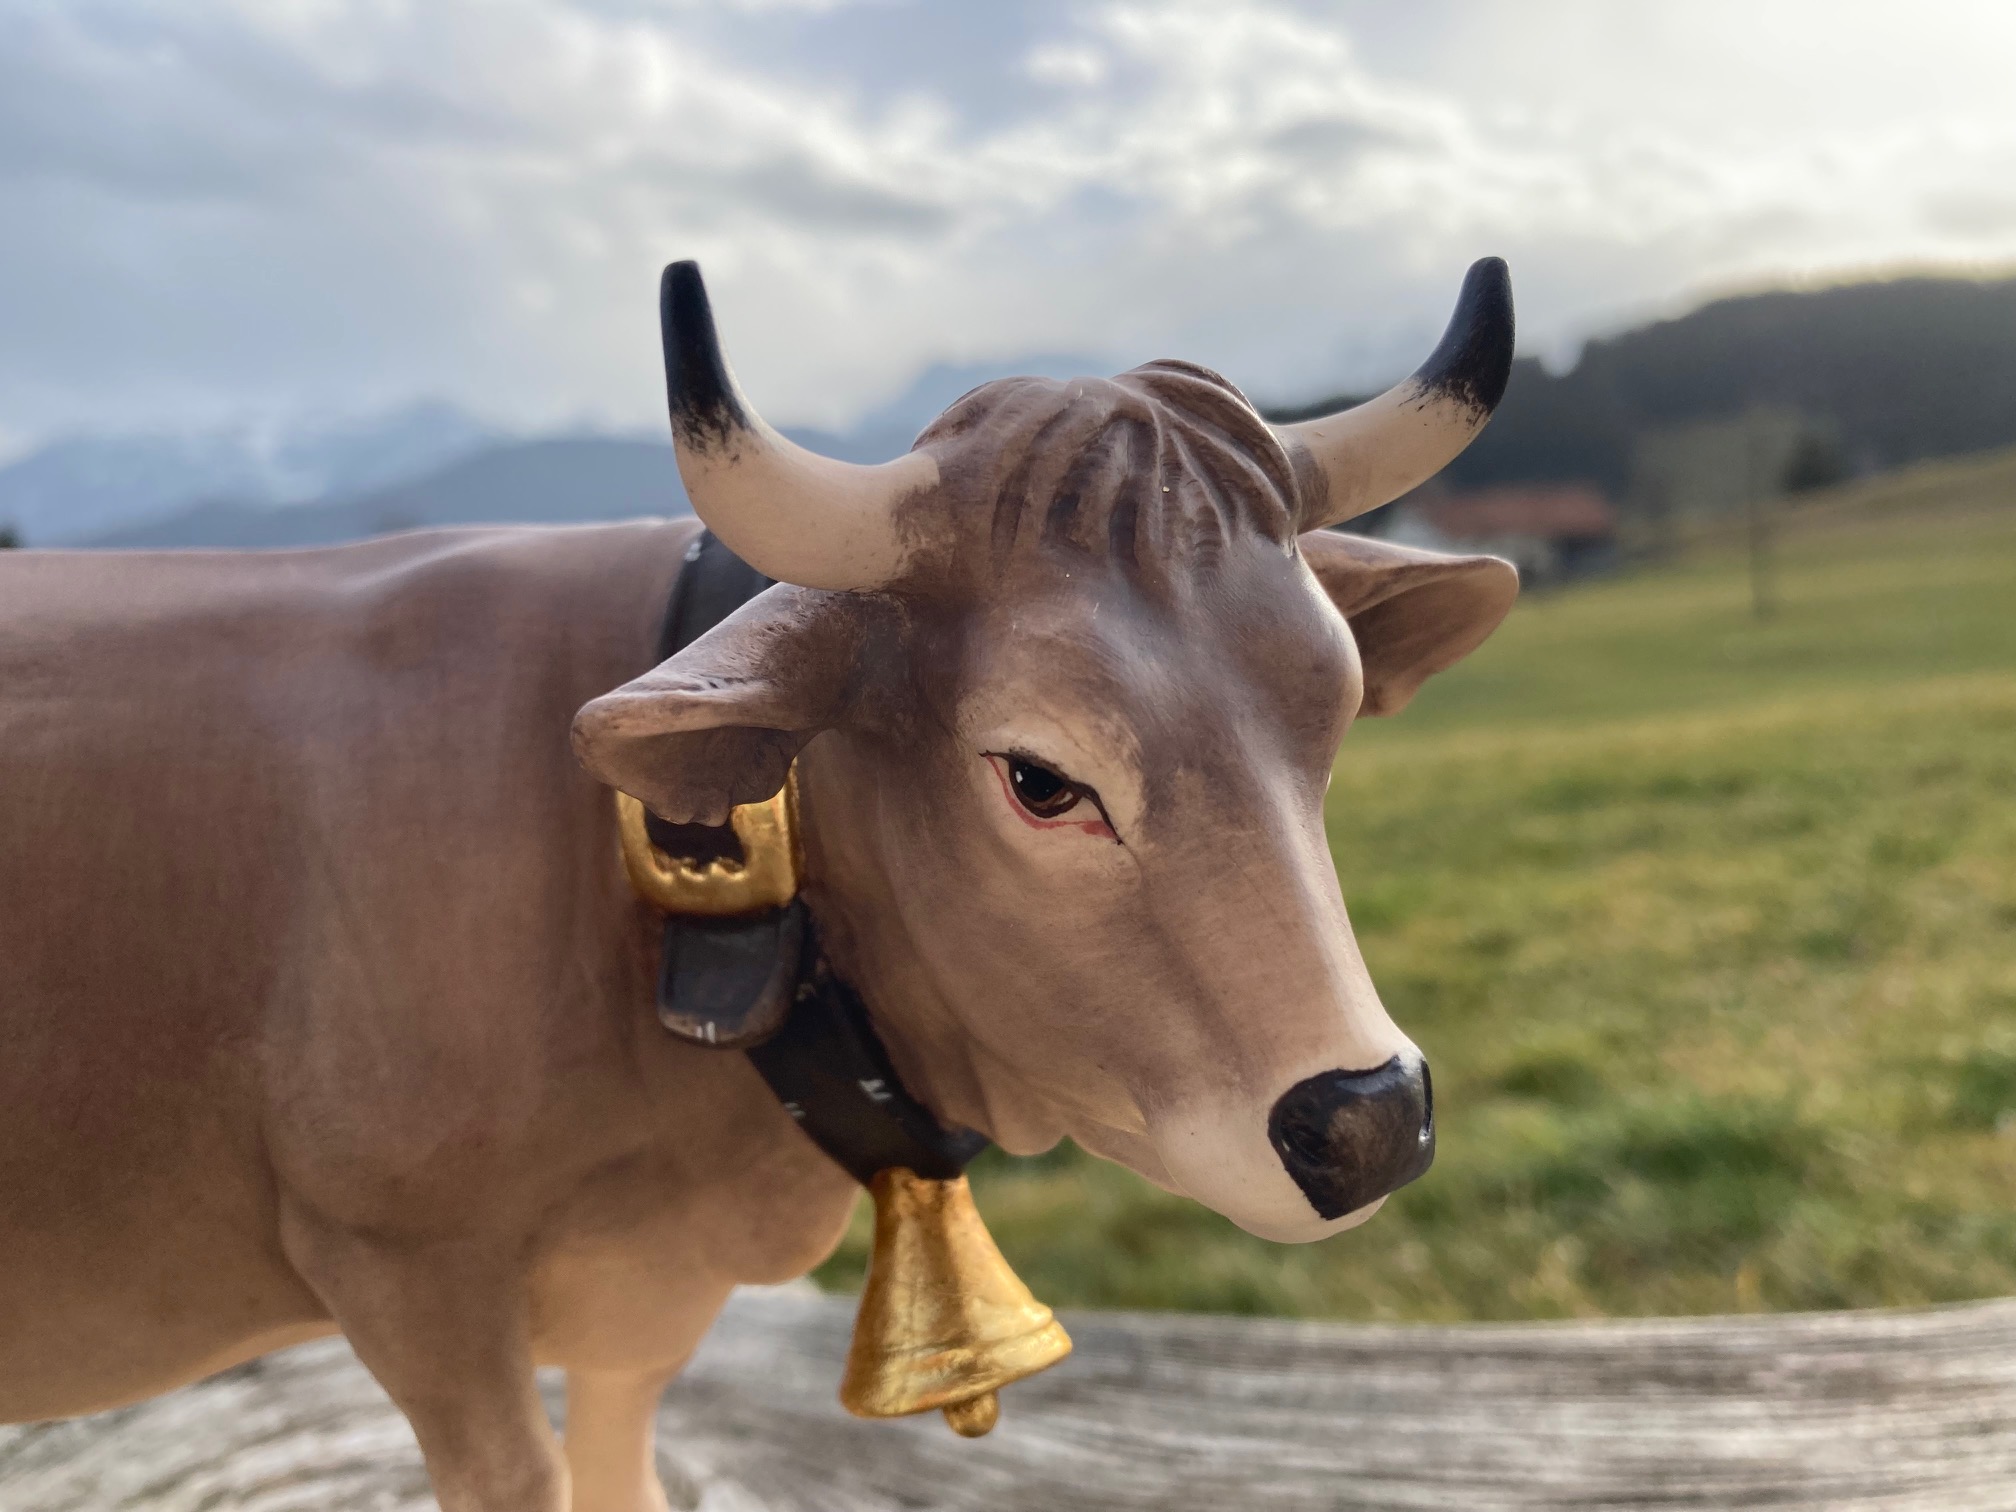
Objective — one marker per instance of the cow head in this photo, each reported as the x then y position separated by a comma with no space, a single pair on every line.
1068,681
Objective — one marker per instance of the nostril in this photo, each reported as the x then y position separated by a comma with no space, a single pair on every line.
1350,1137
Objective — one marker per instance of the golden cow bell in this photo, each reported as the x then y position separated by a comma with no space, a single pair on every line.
943,1322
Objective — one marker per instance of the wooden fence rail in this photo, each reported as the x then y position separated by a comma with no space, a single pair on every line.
1907,1410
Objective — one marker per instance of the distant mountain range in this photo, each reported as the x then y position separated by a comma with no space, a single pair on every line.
1887,372
79,488
427,465
559,481
888,431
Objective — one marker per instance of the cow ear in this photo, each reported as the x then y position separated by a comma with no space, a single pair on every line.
718,724
1413,612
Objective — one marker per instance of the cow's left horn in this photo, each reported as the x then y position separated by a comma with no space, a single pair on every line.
790,513
1374,452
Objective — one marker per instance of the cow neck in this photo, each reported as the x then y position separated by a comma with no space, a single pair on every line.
823,1059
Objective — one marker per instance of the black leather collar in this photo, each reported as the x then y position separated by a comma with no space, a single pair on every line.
762,985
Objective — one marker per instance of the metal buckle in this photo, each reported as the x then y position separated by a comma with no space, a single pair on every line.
767,878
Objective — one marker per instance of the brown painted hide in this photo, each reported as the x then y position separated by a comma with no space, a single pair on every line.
1107,583
324,1001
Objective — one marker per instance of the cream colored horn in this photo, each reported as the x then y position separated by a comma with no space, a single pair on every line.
790,513
1374,452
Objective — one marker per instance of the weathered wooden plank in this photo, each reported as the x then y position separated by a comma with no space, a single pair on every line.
1911,1410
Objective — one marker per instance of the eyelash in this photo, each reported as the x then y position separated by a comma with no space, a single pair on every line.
1020,773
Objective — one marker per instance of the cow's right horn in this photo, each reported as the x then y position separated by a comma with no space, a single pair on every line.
1374,452
790,513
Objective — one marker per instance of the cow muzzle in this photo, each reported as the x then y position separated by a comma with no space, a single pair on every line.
1351,1137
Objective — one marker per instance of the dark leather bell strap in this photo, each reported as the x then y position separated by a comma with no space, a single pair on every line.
830,1070
712,584
721,982
730,982
762,985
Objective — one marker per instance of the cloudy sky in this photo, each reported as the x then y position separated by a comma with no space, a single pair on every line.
221,207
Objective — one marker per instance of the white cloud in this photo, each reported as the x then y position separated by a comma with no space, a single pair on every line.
238,203
1063,63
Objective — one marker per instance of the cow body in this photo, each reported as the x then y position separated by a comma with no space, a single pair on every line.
314,946
324,1002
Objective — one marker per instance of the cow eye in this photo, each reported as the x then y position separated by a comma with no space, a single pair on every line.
1038,789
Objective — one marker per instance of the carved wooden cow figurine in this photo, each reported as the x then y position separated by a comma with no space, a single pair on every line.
325,1003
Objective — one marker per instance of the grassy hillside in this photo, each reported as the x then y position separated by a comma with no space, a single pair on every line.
1709,931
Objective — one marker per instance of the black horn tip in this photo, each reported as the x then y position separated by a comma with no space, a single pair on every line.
699,391
1473,361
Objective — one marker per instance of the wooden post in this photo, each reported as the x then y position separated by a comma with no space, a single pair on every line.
1761,503
1804,1412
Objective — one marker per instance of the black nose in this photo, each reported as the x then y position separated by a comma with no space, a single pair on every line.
1350,1137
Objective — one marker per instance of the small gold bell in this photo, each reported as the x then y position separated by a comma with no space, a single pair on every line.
943,1322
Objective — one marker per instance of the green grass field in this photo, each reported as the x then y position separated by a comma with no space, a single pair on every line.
1708,929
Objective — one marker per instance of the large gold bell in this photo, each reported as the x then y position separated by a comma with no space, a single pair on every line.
943,1322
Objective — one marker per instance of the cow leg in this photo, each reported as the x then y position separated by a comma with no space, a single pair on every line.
443,1329
612,1426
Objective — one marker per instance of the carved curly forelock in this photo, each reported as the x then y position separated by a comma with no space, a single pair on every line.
1156,469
